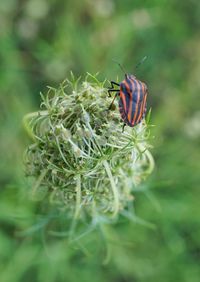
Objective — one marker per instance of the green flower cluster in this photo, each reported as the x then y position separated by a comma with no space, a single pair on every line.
80,157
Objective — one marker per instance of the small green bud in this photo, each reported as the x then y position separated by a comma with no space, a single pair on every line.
66,134
58,129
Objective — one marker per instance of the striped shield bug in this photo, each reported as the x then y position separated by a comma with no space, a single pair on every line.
132,98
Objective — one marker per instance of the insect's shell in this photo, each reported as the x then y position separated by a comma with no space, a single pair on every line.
132,102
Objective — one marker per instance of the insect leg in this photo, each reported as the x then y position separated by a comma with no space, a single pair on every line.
112,87
112,90
123,127
113,98
113,83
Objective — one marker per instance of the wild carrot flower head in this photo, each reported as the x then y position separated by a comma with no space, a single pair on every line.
80,157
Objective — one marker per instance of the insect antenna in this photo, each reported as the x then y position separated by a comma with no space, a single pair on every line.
141,62
121,67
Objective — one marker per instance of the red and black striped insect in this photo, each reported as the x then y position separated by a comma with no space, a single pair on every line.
132,99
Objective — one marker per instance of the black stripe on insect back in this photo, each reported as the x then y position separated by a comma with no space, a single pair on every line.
126,95
128,80
142,107
134,93
131,101
139,100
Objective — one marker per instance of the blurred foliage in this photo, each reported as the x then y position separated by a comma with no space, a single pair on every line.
40,42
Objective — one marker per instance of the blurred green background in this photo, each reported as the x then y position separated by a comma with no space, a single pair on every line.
40,42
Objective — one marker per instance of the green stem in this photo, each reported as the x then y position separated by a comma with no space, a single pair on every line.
26,120
78,197
149,157
151,162
38,182
114,188
77,208
103,233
